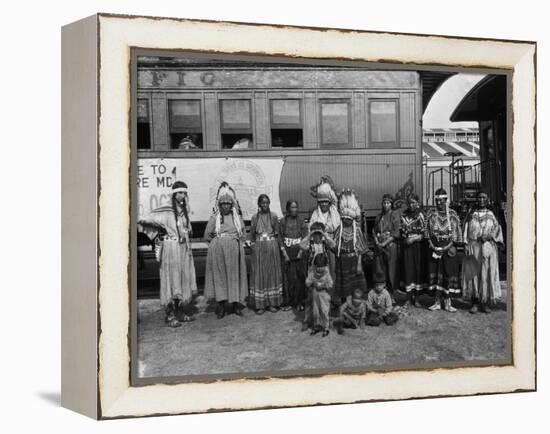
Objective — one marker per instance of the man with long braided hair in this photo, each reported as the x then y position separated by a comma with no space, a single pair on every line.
171,227
443,233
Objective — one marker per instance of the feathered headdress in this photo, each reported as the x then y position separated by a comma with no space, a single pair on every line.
226,194
324,190
348,205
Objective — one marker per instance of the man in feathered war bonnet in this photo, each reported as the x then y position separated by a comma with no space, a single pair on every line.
225,278
351,245
171,227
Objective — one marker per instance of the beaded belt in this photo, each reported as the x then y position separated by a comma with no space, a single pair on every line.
292,241
347,255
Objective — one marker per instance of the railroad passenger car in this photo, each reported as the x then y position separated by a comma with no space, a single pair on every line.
276,129
360,127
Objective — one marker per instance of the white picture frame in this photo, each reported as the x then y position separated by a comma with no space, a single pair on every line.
96,275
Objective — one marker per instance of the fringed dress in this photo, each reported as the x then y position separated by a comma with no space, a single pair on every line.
350,245
292,231
177,270
441,229
413,273
481,280
266,281
225,278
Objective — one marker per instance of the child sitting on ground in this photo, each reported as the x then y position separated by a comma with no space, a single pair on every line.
318,284
352,312
379,304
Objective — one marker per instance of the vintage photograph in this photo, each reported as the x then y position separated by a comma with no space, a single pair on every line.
297,218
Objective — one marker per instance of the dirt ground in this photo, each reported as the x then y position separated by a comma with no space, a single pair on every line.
275,341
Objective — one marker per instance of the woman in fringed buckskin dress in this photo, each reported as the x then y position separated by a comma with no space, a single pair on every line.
482,235
177,271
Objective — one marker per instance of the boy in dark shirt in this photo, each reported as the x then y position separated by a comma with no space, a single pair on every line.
379,304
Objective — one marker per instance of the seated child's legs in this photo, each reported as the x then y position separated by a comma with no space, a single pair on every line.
391,318
347,322
373,319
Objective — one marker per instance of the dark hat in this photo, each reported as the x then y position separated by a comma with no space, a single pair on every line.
387,196
179,187
440,192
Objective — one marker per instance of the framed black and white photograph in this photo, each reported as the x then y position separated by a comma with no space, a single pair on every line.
284,216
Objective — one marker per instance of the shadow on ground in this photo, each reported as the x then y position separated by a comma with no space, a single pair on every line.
53,398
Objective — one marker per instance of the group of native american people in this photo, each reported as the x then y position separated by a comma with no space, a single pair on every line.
317,265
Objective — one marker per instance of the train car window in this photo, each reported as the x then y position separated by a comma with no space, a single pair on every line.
236,124
286,123
383,124
185,124
143,124
335,123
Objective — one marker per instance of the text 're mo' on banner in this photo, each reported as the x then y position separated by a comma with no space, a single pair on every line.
249,177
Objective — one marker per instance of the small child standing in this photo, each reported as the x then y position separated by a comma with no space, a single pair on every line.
319,283
379,304
352,312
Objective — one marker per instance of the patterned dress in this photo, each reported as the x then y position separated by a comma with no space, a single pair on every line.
292,231
386,258
266,280
177,270
441,229
480,274
350,243
225,277
413,223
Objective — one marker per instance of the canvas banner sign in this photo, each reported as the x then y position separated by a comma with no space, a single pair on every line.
249,177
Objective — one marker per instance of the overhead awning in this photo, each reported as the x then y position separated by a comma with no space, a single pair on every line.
484,101
431,81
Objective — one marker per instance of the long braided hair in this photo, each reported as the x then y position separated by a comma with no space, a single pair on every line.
443,192
180,184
